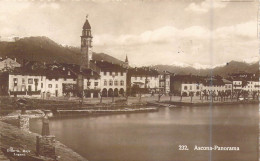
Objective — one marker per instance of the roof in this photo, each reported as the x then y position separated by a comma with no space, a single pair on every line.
226,81
86,25
187,78
26,71
107,66
214,82
69,71
55,71
144,71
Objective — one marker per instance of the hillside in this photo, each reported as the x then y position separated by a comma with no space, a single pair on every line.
45,50
231,67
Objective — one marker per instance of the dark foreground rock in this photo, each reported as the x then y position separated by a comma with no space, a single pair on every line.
12,137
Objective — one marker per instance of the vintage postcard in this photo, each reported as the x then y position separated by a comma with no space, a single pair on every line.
129,80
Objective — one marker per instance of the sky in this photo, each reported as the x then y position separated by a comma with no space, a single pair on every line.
200,33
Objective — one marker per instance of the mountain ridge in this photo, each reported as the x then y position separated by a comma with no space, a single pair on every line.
46,50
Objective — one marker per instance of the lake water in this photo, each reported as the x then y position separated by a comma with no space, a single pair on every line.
157,136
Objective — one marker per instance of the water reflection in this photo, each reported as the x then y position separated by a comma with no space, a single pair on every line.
156,136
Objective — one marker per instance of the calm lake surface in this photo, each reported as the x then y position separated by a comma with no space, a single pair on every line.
157,136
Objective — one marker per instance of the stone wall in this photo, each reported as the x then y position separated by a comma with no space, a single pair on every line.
45,146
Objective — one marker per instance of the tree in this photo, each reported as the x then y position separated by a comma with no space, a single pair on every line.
191,95
170,94
101,96
254,94
127,94
159,96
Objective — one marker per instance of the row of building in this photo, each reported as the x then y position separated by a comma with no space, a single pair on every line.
92,78
59,79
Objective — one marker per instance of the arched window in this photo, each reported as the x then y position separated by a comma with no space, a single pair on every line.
110,82
105,82
121,83
116,83
185,88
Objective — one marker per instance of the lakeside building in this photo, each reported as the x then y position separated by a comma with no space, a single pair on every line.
216,85
112,79
186,85
164,82
54,80
245,81
144,79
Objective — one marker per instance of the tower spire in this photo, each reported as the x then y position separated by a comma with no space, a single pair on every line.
126,59
86,44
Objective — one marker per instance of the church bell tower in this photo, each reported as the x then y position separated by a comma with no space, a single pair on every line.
86,45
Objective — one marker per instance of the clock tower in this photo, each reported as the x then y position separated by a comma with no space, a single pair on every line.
86,45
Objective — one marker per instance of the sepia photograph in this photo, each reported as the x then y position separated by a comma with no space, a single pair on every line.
129,80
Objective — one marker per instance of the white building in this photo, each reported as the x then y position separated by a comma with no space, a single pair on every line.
144,78
186,84
112,79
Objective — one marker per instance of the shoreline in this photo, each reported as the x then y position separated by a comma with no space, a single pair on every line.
194,104
16,138
12,136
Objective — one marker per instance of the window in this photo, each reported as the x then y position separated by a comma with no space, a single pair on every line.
121,82
64,79
185,87
105,82
116,82
56,85
96,84
105,73
110,73
23,81
36,81
30,81
116,73
135,78
88,84
41,85
110,82
190,87
141,78
15,81
198,87
41,78
122,73
50,85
